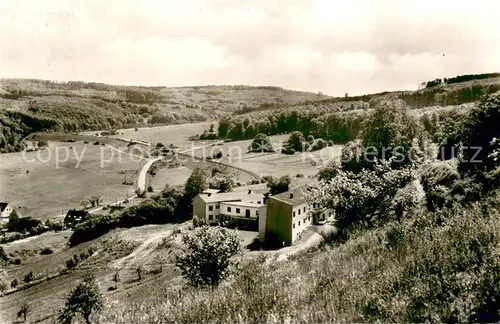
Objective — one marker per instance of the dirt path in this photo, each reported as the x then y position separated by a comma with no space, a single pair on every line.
141,251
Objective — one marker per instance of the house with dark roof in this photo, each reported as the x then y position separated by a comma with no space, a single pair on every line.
74,216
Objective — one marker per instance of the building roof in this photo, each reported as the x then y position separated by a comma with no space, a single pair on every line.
230,196
211,191
244,203
23,212
3,205
76,212
295,196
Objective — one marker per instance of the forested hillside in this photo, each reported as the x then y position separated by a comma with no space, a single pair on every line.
28,106
339,119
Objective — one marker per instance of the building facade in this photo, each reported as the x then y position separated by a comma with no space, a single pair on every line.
280,219
210,207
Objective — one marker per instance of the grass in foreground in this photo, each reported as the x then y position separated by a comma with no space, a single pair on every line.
441,266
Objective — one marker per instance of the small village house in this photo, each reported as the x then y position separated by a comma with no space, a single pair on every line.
8,211
5,211
74,216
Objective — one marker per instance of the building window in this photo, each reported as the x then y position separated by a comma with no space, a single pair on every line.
293,225
299,223
293,214
299,211
216,216
237,210
210,208
210,217
217,206
304,209
258,202
229,209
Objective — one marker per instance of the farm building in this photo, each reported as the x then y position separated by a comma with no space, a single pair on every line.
7,211
74,216
239,208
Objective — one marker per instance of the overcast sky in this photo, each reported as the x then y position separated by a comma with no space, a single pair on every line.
313,45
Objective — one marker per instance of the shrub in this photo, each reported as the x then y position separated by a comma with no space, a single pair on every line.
295,142
150,189
261,143
437,180
71,263
14,283
3,255
138,270
23,311
3,285
279,185
328,172
363,199
84,299
389,127
481,131
196,183
29,277
223,182
310,139
353,157
207,259
319,145
288,151
42,143
46,251
140,193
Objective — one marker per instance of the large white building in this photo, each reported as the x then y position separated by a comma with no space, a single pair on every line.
241,209
279,219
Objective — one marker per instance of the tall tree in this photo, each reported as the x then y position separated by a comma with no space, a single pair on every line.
84,299
196,183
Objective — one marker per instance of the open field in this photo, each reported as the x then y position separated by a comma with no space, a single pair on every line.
171,134
170,176
235,153
277,164
53,180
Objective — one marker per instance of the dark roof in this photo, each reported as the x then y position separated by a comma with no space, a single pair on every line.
294,196
230,196
23,212
77,212
3,205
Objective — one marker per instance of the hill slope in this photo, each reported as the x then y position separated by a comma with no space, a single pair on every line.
340,119
28,106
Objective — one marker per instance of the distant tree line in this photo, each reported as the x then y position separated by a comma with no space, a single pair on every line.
460,78
330,121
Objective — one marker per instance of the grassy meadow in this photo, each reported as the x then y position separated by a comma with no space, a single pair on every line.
50,181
